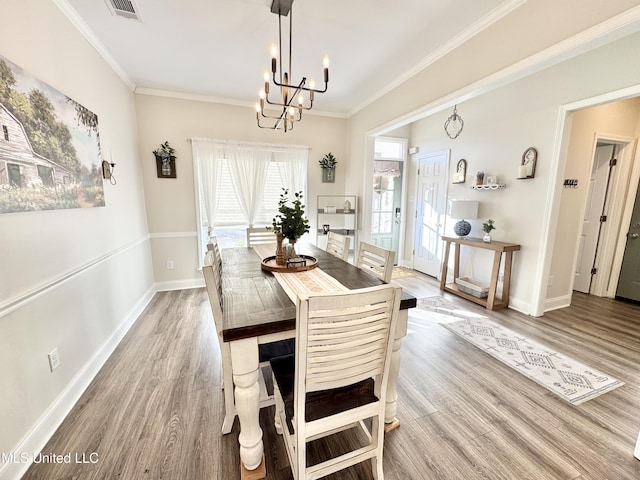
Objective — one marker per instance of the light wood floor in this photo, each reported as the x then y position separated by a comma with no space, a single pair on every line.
155,409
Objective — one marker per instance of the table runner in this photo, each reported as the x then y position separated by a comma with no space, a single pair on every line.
309,281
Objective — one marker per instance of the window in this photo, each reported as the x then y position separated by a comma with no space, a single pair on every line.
239,184
15,179
45,174
5,132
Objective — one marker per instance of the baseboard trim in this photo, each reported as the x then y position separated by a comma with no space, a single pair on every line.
557,302
180,284
36,439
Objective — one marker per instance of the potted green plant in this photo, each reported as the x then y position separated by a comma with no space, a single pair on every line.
487,227
328,165
165,155
290,222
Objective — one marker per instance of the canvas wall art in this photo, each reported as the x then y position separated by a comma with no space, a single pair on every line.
49,147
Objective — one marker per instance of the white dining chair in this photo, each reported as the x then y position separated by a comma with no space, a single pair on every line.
338,245
337,379
215,248
260,236
213,280
376,260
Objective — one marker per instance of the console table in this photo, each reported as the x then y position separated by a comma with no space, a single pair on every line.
499,248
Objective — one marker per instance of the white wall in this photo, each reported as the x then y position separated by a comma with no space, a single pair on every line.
171,202
617,119
71,279
499,126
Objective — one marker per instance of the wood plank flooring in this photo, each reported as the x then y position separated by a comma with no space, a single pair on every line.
155,409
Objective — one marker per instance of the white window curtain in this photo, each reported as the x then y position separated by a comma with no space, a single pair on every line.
252,168
248,167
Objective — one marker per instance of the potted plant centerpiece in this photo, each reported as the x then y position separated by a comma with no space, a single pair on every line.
165,156
290,222
328,165
486,228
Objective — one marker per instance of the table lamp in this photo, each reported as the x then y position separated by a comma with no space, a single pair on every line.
462,210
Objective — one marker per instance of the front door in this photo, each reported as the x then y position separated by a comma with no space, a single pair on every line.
387,199
629,281
430,213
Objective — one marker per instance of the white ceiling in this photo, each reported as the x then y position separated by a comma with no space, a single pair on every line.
220,48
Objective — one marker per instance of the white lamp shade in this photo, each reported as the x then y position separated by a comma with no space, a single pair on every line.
463,209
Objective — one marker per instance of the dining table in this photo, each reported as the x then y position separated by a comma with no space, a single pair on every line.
257,309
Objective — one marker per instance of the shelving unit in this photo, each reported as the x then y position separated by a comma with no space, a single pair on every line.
331,212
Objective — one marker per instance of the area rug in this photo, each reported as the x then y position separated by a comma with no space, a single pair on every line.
399,272
567,378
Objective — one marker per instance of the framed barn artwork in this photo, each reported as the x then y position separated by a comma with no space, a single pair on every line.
49,147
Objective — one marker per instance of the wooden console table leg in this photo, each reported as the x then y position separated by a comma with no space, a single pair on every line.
456,262
506,283
495,272
445,265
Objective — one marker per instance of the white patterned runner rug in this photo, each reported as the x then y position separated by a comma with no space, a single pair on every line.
567,378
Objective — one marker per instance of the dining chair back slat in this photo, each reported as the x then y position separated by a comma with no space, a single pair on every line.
338,245
376,260
260,236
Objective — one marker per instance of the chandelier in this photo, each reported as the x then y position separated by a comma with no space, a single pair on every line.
454,124
291,102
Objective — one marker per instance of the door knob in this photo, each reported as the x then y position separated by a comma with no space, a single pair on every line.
634,235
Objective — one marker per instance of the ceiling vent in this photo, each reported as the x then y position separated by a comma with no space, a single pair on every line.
124,8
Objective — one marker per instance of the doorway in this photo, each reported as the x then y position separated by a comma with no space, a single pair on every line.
387,194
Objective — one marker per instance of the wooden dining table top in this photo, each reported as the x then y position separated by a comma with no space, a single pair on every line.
254,303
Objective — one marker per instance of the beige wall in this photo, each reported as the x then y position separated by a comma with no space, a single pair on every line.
617,119
71,279
171,202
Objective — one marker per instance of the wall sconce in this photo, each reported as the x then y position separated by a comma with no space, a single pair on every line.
463,209
107,171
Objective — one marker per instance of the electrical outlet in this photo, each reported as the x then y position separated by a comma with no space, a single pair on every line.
54,359
550,280
169,264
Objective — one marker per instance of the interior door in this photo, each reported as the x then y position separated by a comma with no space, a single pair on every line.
629,281
591,222
430,213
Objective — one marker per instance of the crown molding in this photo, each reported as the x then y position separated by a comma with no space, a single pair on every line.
605,32
88,34
485,22
221,100
608,31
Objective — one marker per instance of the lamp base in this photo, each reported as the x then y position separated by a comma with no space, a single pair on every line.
462,228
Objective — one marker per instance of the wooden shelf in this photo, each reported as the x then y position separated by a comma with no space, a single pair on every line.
488,187
454,289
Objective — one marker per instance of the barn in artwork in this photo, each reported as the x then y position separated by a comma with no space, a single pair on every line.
20,166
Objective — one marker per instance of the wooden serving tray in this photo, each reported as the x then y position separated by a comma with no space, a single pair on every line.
270,264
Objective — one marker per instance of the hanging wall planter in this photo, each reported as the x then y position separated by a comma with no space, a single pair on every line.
165,161
328,165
